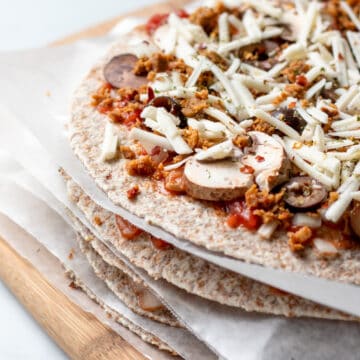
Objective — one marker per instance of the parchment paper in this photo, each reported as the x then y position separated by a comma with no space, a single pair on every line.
59,238
32,250
253,336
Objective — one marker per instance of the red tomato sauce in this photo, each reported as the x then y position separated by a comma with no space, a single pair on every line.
127,230
240,214
160,244
334,233
160,19
174,181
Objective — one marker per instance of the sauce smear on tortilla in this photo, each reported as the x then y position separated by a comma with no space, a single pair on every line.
160,19
240,214
127,230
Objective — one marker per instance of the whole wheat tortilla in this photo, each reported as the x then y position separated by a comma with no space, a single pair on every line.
183,216
189,272
120,283
122,320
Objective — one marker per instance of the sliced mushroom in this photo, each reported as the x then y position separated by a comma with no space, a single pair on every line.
304,192
119,72
219,180
146,299
170,106
268,159
355,217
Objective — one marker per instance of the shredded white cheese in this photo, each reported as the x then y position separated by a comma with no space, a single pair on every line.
168,127
294,52
216,152
243,93
224,34
176,165
149,140
340,63
225,119
336,209
347,96
251,25
301,219
315,89
318,114
110,143
319,138
286,129
354,41
193,78
350,13
313,73
304,166
308,24
267,230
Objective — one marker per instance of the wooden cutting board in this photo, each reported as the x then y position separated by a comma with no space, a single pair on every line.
50,307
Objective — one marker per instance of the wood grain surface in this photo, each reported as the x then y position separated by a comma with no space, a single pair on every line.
77,332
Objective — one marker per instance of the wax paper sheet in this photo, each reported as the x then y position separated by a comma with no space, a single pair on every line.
254,336
59,238
30,249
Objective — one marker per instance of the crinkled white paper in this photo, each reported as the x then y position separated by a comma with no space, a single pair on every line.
59,238
37,254
228,331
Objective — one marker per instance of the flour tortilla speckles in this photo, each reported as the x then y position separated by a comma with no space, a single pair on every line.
121,285
189,272
122,320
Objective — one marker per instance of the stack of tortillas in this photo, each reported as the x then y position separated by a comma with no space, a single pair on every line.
183,216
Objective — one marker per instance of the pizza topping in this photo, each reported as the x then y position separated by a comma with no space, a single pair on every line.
217,152
143,166
299,238
311,220
241,97
291,117
355,218
160,244
241,214
171,106
272,168
215,181
174,181
325,248
146,299
133,192
110,143
149,140
303,192
127,230
119,72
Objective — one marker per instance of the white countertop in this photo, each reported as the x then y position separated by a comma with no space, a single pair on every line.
26,24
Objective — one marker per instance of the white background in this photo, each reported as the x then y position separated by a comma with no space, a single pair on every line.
26,24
